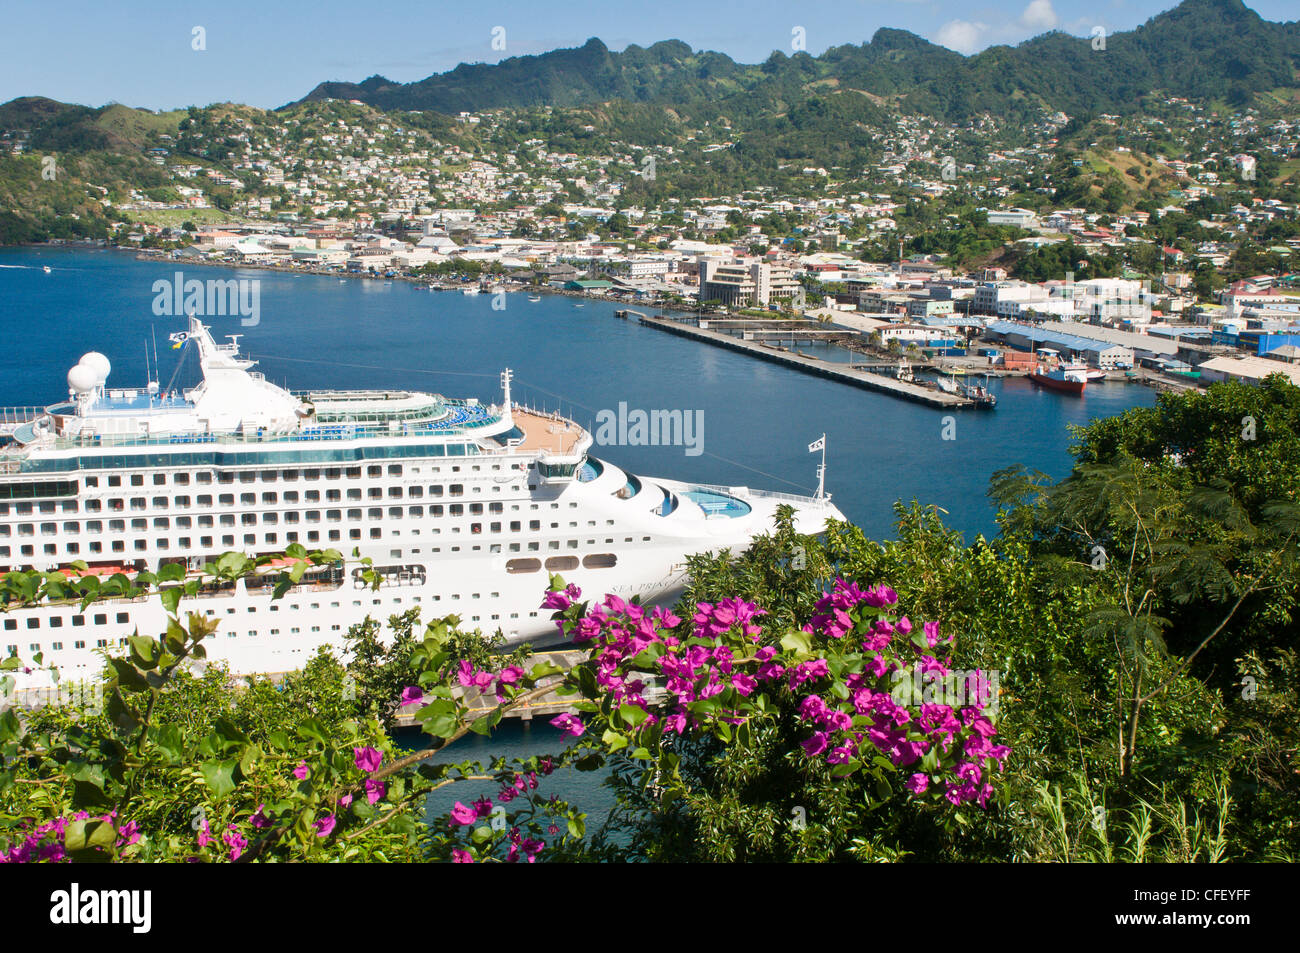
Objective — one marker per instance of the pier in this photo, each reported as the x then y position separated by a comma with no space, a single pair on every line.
843,373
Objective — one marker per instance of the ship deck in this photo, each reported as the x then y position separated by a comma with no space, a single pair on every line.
544,432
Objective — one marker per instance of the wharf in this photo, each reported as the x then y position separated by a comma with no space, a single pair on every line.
843,373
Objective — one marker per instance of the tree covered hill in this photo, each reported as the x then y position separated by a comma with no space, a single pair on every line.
1202,49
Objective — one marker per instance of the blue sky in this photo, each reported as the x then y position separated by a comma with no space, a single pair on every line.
267,53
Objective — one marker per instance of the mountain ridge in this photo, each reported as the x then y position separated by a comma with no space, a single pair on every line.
1233,51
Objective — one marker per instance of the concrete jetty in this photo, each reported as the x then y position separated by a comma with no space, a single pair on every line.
843,373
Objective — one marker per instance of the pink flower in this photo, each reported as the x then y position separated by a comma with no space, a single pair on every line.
259,819
325,826
375,790
300,772
411,696
460,814
345,800
556,600
128,834
917,783
459,856
569,724
508,676
205,834
235,841
368,759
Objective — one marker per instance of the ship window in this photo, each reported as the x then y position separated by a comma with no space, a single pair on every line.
139,524
205,522
203,477
225,478
92,481
228,520
247,499
311,496
354,494
354,514
141,545
495,527
375,492
374,471
93,506
159,479
435,509
118,546
395,512
115,481
273,518
226,499
495,508
476,509
415,492
270,498
354,534
376,532
435,490
250,539
162,543
181,479
354,473
160,502
249,476
161,522
395,492
599,561
333,473
268,476
205,542
311,474
375,513
137,479
94,526
312,516
182,501
335,536
183,542
205,499
228,540
13,624
561,563
137,503
456,489
456,509
534,524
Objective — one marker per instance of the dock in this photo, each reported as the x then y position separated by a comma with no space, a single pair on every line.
842,373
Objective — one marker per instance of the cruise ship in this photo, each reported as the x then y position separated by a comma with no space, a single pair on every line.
463,507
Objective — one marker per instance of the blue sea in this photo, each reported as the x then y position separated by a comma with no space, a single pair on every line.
758,418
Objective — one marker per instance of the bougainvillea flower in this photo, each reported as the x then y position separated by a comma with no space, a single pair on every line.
368,759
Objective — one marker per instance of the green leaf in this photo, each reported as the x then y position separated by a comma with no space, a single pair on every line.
613,739
798,642
144,651
219,776
632,714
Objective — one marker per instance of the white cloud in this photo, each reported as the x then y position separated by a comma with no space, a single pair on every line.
961,36
1039,15
967,36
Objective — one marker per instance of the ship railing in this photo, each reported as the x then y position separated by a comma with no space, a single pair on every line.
763,494
10,416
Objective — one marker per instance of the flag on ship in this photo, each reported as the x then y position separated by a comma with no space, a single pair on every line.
178,339
817,444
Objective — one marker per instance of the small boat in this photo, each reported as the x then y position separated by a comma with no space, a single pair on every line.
946,384
1096,375
904,372
534,298
46,269
1066,378
579,305
472,290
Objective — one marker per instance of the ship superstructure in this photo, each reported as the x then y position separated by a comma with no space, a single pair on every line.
463,507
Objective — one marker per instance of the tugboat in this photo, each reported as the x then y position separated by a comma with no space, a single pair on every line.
1067,377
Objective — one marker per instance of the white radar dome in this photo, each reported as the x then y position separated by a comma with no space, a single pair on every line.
98,363
82,379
